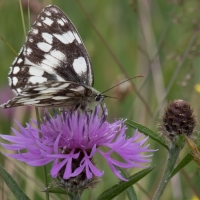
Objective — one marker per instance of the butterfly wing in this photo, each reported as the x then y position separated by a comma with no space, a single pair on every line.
53,51
53,68
52,94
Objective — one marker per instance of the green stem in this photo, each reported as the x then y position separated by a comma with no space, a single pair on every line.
44,167
75,196
22,15
29,18
170,164
8,45
46,181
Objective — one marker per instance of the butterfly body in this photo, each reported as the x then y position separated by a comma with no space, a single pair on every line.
53,68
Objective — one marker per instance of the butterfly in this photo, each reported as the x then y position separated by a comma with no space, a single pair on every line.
53,68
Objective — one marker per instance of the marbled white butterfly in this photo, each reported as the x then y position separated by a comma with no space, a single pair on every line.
53,68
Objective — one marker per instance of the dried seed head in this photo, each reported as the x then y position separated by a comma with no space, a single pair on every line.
178,118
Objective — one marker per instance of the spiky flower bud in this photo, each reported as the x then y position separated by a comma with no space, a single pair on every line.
178,118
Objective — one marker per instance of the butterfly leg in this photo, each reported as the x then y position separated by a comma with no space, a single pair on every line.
104,111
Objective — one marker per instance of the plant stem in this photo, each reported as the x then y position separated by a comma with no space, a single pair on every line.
22,15
75,196
171,161
44,167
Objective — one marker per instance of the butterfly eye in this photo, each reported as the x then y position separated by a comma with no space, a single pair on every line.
97,97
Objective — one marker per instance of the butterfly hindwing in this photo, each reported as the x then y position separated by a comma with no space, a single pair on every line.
53,51
51,94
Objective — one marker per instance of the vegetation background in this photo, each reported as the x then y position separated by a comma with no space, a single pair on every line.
159,39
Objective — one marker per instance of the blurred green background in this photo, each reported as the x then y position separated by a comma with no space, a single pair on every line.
158,39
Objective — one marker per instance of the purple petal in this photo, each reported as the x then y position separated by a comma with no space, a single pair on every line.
40,162
20,140
77,171
55,170
68,169
116,172
13,146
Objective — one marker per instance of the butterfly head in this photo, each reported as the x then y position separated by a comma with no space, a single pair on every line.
99,98
96,96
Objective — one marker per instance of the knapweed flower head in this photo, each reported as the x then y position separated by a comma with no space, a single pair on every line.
71,140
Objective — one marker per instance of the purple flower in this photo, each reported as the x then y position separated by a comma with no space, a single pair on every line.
71,140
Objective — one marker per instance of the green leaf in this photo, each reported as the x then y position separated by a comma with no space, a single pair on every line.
55,190
123,185
131,193
10,182
130,190
52,189
147,132
188,158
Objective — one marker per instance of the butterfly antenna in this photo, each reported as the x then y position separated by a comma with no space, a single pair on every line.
120,84
110,97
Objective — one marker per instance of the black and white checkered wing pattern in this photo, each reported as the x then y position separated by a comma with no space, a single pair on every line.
52,94
53,52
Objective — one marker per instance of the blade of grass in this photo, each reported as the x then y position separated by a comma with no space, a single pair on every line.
10,182
123,185
187,159
22,15
29,18
8,45
147,132
130,190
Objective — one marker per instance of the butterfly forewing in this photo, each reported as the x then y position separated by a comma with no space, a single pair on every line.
53,68
53,51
